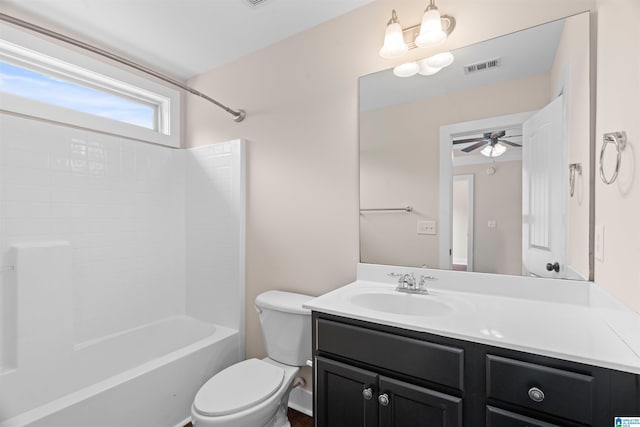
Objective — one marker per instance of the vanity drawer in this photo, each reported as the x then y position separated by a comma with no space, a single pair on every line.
425,360
553,391
501,418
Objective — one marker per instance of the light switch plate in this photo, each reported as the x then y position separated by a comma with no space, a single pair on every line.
492,223
427,227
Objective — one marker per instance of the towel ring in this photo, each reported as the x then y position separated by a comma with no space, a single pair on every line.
619,139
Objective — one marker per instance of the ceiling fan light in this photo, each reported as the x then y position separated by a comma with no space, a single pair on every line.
394,45
431,32
407,69
496,150
425,69
440,60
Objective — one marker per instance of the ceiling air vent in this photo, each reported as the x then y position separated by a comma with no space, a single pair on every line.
254,3
482,66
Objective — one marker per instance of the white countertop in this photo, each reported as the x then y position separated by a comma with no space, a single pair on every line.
552,318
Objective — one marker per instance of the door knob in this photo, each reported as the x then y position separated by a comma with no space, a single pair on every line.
553,267
367,393
383,399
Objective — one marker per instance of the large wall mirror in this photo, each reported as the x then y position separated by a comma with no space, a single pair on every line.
485,165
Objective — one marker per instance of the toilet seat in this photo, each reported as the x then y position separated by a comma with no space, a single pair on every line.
238,387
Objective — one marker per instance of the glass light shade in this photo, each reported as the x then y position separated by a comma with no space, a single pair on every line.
425,69
431,32
394,45
440,60
406,70
496,150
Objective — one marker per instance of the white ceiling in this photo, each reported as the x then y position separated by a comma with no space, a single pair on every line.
183,38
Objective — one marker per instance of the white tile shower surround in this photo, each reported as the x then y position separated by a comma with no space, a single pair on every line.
117,212
215,233
119,203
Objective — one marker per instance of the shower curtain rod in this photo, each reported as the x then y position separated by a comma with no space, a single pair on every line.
238,115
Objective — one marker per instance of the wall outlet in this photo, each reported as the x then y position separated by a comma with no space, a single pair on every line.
427,227
492,223
599,243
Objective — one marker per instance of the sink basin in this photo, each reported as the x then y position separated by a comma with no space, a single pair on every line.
400,303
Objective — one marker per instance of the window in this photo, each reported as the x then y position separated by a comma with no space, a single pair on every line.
41,87
45,80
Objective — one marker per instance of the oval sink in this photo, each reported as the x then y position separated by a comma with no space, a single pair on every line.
399,303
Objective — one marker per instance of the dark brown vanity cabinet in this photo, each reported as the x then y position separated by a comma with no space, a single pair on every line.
353,397
372,375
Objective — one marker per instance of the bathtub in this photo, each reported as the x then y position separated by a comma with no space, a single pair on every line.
147,376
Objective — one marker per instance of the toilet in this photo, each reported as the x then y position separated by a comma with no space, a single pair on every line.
254,392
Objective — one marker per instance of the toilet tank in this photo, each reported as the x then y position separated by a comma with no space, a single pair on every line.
286,326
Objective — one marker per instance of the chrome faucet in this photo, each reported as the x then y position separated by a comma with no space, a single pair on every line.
407,283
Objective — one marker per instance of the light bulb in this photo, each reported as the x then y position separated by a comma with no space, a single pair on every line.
394,45
425,69
406,70
431,32
496,150
440,60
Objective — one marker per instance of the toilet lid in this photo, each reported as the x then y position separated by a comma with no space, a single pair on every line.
238,387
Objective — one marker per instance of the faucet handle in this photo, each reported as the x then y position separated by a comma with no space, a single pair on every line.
398,276
423,281
426,278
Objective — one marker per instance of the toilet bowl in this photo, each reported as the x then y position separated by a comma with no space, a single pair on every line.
255,393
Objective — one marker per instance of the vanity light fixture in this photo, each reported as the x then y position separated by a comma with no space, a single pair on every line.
440,60
425,66
433,30
394,45
407,69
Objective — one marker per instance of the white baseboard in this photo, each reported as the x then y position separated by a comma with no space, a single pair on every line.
301,400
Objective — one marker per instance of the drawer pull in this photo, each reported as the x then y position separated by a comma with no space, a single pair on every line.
383,399
536,394
367,393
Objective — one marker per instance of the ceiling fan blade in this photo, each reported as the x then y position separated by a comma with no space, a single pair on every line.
464,141
473,147
513,144
510,136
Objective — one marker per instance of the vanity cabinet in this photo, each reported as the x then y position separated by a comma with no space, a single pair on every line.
366,374
353,397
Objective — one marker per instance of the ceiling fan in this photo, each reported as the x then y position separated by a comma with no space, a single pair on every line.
493,143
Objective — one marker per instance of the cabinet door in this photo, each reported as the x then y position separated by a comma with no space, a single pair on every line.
345,395
413,406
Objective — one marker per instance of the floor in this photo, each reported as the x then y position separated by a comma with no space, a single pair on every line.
296,419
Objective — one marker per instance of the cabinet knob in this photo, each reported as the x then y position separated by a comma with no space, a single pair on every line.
536,394
383,399
367,393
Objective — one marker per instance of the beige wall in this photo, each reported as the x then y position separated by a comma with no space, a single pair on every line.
301,97
498,198
570,76
400,164
618,108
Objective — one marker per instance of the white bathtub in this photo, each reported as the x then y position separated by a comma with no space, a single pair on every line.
147,376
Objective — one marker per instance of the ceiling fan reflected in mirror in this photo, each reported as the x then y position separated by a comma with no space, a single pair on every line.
493,143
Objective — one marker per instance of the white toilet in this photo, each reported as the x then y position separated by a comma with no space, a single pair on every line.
255,393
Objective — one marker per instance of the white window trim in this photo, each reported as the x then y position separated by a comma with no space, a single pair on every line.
19,47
